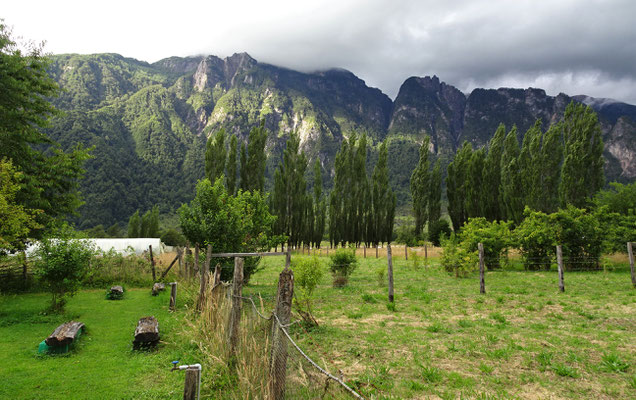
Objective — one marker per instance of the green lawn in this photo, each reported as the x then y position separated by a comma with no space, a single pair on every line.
102,365
522,339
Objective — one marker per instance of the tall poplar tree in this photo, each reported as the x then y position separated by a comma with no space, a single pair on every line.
383,199
550,170
215,156
231,167
457,172
420,187
492,176
320,207
512,199
244,170
256,158
435,196
474,184
582,170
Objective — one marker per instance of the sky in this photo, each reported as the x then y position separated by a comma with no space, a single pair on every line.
570,46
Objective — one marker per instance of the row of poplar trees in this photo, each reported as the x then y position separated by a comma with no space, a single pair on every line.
426,190
561,166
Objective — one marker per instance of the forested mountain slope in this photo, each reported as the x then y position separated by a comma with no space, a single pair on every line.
149,122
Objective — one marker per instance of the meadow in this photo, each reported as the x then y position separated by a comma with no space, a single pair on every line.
441,339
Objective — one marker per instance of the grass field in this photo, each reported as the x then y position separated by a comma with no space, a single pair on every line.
102,365
522,339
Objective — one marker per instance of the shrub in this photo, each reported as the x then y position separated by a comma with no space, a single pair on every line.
457,259
61,266
438,230
406,235
172,237
342,264
580,235
495,236
111,267
536,240
308,272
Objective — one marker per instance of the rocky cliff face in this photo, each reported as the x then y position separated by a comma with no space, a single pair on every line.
167,109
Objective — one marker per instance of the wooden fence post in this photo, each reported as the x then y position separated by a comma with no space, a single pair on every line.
425,252
235,313
559,252
192,380
278,363
406,251
288,259
376,251
173,295
152,263
630,253
482,282
25,265
180,254
204,277
196,259
390,271
364,249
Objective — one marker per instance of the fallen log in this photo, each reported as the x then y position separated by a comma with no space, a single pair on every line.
115,293
158,287
146,333
64,334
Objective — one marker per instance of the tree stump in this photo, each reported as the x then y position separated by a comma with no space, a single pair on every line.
115,293
158,287
64,334
146,333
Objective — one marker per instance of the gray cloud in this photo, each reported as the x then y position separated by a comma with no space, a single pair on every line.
562,46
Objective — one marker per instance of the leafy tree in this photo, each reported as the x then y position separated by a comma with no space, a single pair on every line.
536,240
549,170
17,221
420,188
456,186
254,168
231,167
320,206
492,177
439,230
582,170
529,162
457,259
435,198
215,156
495,236
49,176
512,198
244,168
308,272
231,224
474,184
618,229
172,237
383,200
342,264
149,227
134,225
619,198
61,264
579,232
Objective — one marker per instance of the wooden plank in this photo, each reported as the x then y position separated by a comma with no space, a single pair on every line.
163,275
64,334
147,332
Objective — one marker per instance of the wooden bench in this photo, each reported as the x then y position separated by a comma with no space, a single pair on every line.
146,333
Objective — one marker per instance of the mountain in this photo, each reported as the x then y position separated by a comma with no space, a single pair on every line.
148,122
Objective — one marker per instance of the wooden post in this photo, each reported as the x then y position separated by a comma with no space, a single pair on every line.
630,253
482,282
376,251
364,249
180,254
559,251
278,361
204,277
288,259
152,263
163,275
390,271
196,259
406,252
192,380
25,265
235,313
188,267
173,295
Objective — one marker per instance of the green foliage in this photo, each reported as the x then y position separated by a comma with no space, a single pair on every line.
342,264
231,167
618,198
457,175
146,226
308,272
231,224
582,170
456,258
512,190
495,237
420,190
17,222
439,230
215,156
406,235
134,225
536,240
253,170
320,207
62,264
492,176
172,237
580,234
383,200
435,196
50,176
618,229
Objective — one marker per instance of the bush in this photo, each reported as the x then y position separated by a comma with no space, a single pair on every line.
406,235
438,230
172,237
111,267
61,266
308,271
581,237
536,240
342,264
495,236
618,229
457,259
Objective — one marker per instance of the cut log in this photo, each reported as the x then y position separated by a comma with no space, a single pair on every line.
64,334
158,287
146,333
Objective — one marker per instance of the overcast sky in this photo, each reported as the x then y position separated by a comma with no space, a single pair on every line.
570,46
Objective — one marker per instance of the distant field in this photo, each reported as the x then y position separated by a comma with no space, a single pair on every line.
523,339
